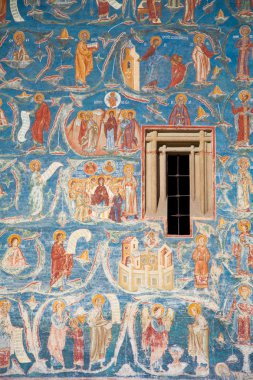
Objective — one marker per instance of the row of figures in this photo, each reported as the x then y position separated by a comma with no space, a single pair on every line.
133,64
106,11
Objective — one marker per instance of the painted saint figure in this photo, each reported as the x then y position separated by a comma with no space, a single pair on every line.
179,115
115,212
61,261
153,59
245,46
244,184
152,12
201,59
100,196
189,10
111,131
129,185
201,257
100,331
36,197
103,9
82,204
244,7
243,119
242,310
5,334
178,70
82,128
20,54
83,58
42,120
3,119
198,339
132,133
155,334
57,336
245,247
14,260
92,132
76,333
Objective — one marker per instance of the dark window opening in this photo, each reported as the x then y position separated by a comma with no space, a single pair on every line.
178,194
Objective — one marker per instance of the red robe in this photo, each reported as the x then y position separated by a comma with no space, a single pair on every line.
201,256
111,124
179,116
156,340
243,319
151,9
62,263
103,8
100,196
82,132
243,123
77,336
41,122
131,136
3,5
178,71
190,6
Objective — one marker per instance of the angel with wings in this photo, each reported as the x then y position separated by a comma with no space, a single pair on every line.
155,328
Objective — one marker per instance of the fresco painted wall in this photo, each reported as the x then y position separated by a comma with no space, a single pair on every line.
89,286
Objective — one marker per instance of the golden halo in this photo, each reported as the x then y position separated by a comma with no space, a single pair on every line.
157,306
201,236
56,303
244,92
128,166
133,112
199,35
245,286
242,223
17,35
89,114
14,236
32,164
244,159
181,96
79,115
244,30
98,296
57,232
82,32
194,305
155,38
39,95
114,112
2,302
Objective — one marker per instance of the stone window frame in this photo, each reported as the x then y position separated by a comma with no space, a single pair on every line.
157,210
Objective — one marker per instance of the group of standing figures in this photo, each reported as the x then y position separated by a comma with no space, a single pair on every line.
63,325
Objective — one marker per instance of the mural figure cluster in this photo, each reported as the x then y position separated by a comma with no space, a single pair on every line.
108,110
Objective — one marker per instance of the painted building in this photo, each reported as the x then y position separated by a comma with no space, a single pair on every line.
145,269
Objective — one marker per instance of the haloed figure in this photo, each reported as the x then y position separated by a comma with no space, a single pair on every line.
14,260
61,261
36,196
198,339
100,331
57,336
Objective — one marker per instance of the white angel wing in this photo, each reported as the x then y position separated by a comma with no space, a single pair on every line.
168,319
145,318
